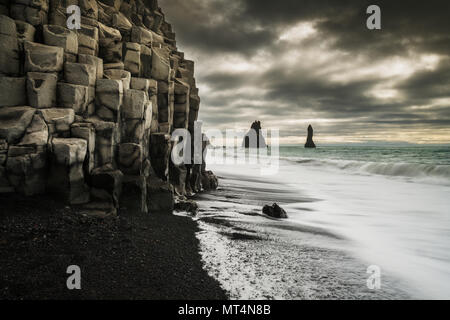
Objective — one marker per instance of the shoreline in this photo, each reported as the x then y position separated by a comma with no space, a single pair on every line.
130,257
254,256
230,250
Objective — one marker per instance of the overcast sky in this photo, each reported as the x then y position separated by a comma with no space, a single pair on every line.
289,63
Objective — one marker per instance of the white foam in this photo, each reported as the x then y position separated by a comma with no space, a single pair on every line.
438,174
402,226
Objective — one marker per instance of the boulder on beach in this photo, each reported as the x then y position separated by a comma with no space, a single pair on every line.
275,211
254,138
184,204
309,140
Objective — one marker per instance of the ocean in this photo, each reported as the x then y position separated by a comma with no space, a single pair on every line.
429,163
350,208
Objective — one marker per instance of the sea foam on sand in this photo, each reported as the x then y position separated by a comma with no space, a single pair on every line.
339,224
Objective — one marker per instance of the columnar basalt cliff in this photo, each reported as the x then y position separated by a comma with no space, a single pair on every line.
88,113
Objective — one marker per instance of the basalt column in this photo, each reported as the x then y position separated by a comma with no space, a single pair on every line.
89,113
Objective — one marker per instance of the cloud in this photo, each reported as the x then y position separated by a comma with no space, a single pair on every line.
293,62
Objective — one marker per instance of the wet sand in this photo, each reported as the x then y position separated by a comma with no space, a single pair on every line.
257,257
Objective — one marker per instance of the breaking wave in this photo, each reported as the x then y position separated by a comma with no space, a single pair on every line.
395,169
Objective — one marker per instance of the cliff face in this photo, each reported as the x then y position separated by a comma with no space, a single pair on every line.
88,113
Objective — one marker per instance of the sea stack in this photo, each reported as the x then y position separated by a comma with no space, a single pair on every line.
309,141
254,138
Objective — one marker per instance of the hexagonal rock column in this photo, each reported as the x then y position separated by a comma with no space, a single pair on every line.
89,11
58,120
57,12
66,170
106,139
160,147
160,64
136,169
41,89
13,123
194,106
121,23
83,75
95,61
151,87
36,133
140,84
26,169
73,96
80,73
62,37
9,50
25,31
146,62
112,53
153,96
130,158
132,58
42,58
23,136
165,115
161,72
181,109
141,35
133,111
109,98
86,131
106,188
34,12
12,92
27,161
110,44
118,74
174,63
87,44
90,31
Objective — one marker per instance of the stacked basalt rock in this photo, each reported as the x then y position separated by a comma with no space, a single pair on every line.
88,113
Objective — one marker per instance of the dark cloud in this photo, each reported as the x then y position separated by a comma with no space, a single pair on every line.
217,25
337,74
243,25
429,84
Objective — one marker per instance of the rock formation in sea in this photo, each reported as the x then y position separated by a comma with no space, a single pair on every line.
309,140
88,113
275,211
254,138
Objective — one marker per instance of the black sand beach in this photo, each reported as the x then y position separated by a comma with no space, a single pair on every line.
130,257
258,257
